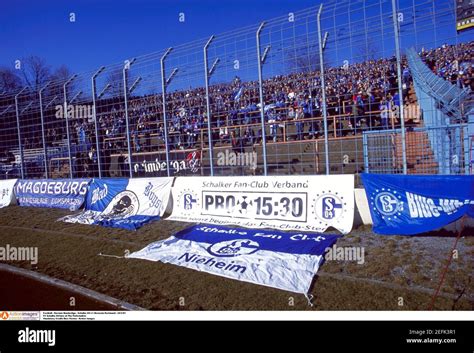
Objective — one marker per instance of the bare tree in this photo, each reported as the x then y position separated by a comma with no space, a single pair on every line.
115,79
35,72
9,80
368,51
304,59
59,77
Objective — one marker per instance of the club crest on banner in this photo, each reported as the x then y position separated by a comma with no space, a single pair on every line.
387,202
123,205
232,248
414,204
187,200
329,208
300,203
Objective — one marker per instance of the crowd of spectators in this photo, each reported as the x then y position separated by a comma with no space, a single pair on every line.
359,96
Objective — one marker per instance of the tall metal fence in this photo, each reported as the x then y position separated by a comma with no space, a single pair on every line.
290,95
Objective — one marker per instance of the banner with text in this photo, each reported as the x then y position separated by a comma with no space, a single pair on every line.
52,193
153,164
7,195
276,259
124,203
303,203
413,204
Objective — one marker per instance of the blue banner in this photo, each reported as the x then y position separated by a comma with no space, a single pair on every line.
124,203
272,258
58,193
271,240
413,204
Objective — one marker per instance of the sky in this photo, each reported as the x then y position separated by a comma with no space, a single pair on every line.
107,32
110,31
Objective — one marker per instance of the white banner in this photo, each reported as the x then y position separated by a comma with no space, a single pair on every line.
303,203
271,258
7,195
124,203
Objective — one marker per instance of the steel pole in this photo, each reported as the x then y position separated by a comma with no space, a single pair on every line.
45,148
20,147
94,112
127,124
262,104
400,88
323,89
208,107
165,122
71,175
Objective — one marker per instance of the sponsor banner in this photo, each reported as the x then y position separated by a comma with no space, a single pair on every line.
413,204
303,203
154,164
7,195
276,259
124,203
57,193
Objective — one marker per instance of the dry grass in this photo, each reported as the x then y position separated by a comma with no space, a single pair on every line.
394,268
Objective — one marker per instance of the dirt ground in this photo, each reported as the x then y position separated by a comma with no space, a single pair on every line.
399,273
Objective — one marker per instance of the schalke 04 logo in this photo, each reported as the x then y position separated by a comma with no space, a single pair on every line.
387,202
231,248
124,204
328,207
187,200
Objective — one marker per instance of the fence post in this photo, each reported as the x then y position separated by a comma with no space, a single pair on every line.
396,29
45,148
262,104
94,112
323,90
126,67
365,145
165,122
66,115
207,74
22,172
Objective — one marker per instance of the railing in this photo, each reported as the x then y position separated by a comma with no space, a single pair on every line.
276,63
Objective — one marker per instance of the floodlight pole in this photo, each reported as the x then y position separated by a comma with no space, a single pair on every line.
66,115
207,75
45,147
126,67
22,172
94,113
262,104
323,89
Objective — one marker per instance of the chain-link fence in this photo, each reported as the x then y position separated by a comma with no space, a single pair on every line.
291,95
